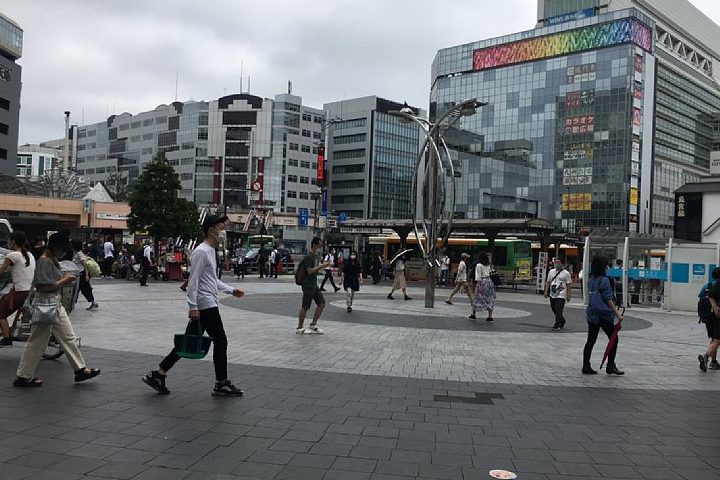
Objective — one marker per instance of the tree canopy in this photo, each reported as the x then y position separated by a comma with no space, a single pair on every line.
155,206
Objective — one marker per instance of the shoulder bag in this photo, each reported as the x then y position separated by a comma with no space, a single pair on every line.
45,310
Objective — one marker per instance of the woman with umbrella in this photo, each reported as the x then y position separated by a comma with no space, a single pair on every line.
351,278
400,283
601,313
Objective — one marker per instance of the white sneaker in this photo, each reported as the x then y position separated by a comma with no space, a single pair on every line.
300,330
312,330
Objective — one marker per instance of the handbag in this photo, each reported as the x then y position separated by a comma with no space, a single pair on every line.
495,278
45,311
192,344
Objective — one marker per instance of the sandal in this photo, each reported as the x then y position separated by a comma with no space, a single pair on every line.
83,374
27,382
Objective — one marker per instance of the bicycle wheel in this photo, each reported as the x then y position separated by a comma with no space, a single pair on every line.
53,350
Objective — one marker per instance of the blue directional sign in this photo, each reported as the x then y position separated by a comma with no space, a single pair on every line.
304,216
324,208
342,216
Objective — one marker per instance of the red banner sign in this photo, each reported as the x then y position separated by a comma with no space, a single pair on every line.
321,167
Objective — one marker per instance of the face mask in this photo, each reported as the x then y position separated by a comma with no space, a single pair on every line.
352,257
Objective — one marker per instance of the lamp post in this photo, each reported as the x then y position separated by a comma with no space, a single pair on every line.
322,172
439,161
315,196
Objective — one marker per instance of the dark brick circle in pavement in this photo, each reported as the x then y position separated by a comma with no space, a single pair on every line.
539,321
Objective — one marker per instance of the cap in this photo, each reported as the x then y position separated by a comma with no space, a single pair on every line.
212,220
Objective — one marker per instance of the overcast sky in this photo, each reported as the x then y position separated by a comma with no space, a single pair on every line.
102,57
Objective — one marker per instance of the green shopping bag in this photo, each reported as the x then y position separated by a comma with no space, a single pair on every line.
192,343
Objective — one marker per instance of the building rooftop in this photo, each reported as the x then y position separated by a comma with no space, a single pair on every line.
700,187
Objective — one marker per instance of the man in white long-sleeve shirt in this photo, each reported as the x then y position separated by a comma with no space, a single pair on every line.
203,290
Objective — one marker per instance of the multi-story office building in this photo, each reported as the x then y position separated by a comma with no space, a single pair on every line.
371,156
236,142
34,160
595,116
11,43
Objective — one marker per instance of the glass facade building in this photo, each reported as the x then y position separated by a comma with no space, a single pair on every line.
371,155
588,124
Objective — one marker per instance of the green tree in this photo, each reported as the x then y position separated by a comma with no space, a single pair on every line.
155,206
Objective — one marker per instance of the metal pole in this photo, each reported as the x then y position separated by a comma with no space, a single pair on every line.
668,282
586,270
432,231
66,153
625,271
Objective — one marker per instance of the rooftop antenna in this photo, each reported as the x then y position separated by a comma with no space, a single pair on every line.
176,84
241,76
289,87
248,85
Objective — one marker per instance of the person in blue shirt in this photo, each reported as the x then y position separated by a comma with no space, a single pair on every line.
600,314
712,322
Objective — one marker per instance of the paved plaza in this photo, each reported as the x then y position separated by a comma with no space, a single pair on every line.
391,391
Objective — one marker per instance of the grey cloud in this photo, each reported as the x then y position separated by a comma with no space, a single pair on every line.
93,55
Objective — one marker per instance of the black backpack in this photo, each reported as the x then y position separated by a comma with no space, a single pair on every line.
704,307
300,273
471,270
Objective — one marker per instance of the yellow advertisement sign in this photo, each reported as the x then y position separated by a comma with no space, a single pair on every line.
634,197
576,202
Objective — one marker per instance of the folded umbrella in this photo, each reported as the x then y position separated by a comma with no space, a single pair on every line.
613,339
403,252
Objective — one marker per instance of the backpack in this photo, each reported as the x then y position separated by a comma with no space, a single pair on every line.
471,270
92,267
300,274
704,307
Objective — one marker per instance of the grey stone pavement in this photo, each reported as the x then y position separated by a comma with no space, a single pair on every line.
392,391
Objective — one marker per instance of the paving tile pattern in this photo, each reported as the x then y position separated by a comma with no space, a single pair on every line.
305,424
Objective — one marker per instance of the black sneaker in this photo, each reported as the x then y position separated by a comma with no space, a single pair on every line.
6,342
156,381
701,358
226,389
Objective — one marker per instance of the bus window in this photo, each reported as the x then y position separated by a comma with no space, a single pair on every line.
522,249
500,256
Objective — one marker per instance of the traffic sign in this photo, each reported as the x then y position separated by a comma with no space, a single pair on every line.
360,230
304,216
342,216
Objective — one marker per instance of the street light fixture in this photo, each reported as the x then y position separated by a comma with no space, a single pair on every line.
439,165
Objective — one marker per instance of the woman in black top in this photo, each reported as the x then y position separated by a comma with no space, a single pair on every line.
351,278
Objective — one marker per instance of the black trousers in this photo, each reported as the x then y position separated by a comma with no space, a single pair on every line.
107,266
328,275
144,271
212,323
593,331
558,306
86,289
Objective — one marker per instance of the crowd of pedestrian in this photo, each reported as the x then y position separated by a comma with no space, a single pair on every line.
37,279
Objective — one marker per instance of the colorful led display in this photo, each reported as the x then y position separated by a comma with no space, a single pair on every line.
589,38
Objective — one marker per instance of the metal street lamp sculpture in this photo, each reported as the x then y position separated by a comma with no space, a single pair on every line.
439,161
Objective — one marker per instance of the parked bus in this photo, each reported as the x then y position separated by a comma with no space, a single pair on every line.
511,257
256,241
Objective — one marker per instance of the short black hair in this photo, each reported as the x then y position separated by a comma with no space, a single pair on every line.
484,258
598,266
315,241
715,273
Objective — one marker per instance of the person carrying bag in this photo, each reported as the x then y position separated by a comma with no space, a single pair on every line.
49,316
